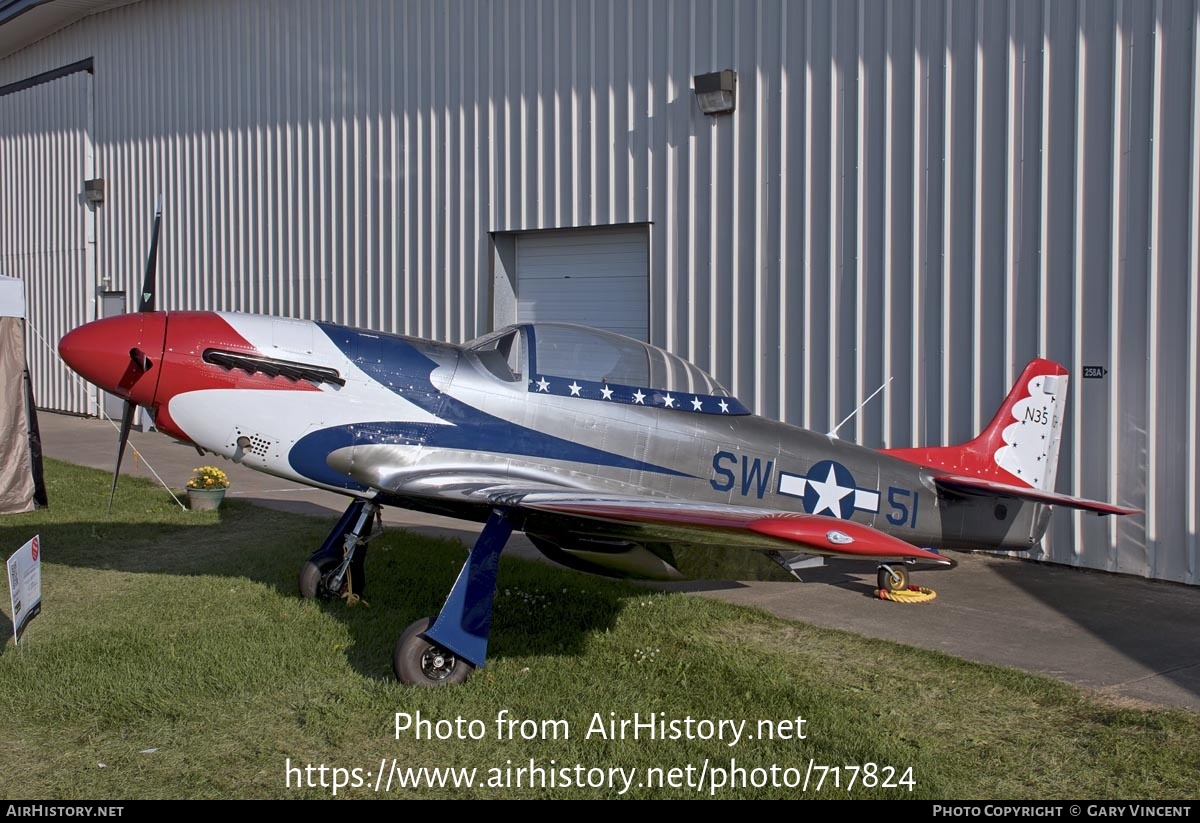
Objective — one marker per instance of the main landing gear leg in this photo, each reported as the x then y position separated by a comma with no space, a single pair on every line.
443,651
337,568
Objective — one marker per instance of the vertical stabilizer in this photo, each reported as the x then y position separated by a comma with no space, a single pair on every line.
1020,446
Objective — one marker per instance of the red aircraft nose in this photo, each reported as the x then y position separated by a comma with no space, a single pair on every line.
120,354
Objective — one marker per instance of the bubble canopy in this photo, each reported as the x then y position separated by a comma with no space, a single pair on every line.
578,361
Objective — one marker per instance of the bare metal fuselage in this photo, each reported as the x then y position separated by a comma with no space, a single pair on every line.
738,459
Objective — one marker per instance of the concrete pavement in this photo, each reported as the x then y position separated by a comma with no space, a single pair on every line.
1126,637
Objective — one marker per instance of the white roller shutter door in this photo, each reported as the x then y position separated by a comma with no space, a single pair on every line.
596,277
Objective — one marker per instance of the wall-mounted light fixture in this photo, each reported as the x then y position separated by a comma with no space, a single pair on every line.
716,92
93,190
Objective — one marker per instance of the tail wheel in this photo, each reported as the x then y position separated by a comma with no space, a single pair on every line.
893,578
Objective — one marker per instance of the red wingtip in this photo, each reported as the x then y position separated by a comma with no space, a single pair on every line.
843,537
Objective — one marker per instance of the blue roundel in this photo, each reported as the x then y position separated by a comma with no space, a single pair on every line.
830,490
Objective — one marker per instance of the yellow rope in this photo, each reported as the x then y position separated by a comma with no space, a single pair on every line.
348,594
913,594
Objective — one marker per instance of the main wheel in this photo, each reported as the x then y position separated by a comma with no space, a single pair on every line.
314,579
895,580
418,661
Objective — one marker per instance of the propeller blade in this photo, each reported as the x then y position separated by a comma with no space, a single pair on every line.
139,362
149,281
126,425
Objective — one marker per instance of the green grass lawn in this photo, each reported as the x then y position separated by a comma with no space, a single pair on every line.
173,650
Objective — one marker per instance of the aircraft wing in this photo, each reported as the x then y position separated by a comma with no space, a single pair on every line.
547,509
979,486
649,518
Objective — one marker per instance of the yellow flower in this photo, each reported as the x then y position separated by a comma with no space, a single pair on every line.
208,477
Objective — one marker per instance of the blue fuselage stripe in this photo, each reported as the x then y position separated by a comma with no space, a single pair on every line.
395,362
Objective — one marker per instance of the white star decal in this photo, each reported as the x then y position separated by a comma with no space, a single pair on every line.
638,397
543,385
697,405
830,494
607,392
574,387
724,406
669,402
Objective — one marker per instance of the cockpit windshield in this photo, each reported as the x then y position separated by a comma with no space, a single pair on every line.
577,361
501,352
604,357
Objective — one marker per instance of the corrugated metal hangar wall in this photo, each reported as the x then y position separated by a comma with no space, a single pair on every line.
929,191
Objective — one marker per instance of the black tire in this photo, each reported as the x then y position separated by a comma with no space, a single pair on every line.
312,579
894,581
313,572
419,662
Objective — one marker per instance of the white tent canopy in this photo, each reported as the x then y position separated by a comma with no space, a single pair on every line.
21,486
12,297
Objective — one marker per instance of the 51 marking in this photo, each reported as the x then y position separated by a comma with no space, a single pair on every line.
901,514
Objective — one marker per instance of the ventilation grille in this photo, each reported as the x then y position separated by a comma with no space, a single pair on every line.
251,445
258,446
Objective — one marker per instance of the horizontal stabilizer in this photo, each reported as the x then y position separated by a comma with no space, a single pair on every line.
975,485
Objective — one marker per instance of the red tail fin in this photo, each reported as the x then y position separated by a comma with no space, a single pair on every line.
1020,445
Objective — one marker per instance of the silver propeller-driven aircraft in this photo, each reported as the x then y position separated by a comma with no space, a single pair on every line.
607,452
